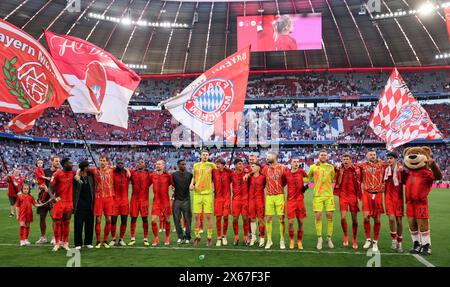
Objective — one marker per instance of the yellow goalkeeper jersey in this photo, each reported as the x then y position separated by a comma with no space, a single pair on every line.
323,176
203,177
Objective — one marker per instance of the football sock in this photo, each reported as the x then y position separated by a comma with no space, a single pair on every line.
261,230
66,230
319,227
235,228
27,233
225,226
344,226
209,233
106,231
399,239
329,228
253,229
167,227
98,230
355,230
21,232
393,235
415,235
113,231
133,229
155,229
197,232
282,230
425,237
145,228
57,230
219,226
246,227
291,234
123,229
269,230
367,229
300,234
376,230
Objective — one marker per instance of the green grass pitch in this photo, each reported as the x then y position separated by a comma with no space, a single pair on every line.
12,254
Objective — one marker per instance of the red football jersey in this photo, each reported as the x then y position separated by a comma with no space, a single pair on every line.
25,203
63,182
222,183
257,185
418,184
347,182
104,182
140,182
39,173
240,186
294,181
373,176
121,182
161,183
275,179
14,185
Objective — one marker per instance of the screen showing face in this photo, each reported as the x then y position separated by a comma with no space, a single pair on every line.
280,32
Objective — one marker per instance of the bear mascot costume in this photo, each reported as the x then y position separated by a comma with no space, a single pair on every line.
418,178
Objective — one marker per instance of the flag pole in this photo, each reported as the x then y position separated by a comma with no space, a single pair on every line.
80,130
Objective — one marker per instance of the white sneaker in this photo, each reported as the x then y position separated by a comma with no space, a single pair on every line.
77,247
66,245
184,229
269,244
400,248
160,230
53,241
122,243
22,243
367,243
187,241
394,245
218,243
252,241
41,240
330,243
224,241
319,243
55,248
89,246
27,242
375,246
201,231
112,242
174,230
261,242
282,244
179,241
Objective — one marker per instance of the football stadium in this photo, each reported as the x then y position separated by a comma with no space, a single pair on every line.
224,133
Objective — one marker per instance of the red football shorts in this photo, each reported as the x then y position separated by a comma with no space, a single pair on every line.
121,207
239,207
256,209
295,209
222,206
417,209
373,203
26,217
394,204
348,203
104,206
162,210
61,207
139,207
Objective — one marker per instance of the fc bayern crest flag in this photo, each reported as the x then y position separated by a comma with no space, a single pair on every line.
399,118
214,102
29,79
103,85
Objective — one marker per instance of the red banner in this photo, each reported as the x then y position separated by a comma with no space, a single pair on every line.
29,81
447,21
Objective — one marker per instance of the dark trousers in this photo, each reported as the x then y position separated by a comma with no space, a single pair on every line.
182,207
83,219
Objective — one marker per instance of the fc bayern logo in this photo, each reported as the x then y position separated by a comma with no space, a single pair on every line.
210,100
407,116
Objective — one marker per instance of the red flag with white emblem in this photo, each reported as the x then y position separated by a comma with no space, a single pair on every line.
29,79
214,102
399,118
103,85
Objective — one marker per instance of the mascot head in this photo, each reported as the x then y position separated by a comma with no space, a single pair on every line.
417,157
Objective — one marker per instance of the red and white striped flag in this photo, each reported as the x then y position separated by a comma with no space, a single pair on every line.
399,118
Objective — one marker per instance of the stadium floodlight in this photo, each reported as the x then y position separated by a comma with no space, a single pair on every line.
127,20
426,9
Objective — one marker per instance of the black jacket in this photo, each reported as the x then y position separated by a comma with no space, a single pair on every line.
77,190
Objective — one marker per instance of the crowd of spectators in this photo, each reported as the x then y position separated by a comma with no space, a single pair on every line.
23,156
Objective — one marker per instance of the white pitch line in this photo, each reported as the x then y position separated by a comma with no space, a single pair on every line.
228,249
423,260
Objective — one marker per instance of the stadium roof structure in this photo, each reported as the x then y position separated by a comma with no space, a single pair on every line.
350,38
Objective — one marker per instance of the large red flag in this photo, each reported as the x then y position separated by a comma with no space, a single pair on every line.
29,81
399,118
447,21
214,102
103,85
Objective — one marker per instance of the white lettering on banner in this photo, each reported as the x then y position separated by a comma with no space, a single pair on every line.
75,47
234,60
14,43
